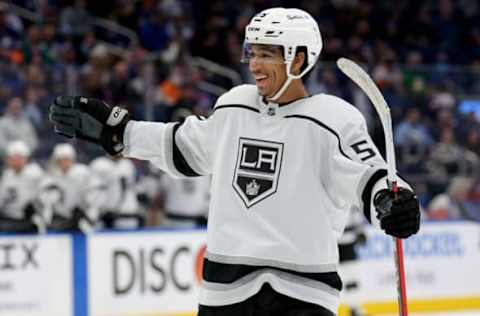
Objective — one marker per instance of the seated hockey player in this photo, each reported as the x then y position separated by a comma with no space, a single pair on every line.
184,201
112,192
62,193
18,188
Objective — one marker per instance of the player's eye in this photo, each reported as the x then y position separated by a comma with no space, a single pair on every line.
265,55
261,56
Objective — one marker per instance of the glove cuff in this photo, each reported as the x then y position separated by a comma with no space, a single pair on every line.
382,202
111,137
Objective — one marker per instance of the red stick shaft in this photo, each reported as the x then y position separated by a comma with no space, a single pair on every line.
400,266
401,284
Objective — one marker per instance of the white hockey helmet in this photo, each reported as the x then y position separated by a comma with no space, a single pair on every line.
103,167
290,29
64,151
19,148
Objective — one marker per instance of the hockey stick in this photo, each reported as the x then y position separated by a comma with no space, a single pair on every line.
363,80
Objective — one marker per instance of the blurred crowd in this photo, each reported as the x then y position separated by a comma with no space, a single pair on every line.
424,55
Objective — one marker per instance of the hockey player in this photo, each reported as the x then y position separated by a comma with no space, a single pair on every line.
62,193
18,188
287,167
185,201
112,192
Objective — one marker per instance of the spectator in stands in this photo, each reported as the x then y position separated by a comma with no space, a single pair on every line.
11,29
18,188
126,14
96,72
446,160
415,81
449,24
32,108
413,140
445,119
89,42
50,44
75,21
472,142
120,84
14,125
455,203
153,31
443,99
11,26
31,45
388,77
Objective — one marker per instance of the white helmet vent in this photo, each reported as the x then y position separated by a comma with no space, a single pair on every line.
272,33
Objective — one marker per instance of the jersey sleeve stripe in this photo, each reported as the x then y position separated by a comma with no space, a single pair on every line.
367,191
239,106
323,126
179,160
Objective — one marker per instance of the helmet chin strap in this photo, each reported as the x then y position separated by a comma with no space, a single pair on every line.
285,85
287,82
281,90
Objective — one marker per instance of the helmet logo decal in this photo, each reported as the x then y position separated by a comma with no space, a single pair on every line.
296,17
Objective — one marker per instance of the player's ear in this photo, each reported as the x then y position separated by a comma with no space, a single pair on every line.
297,63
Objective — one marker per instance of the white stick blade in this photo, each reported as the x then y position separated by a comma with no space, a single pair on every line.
363,80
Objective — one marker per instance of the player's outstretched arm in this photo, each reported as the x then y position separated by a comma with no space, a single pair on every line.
181,149
90,119
398,214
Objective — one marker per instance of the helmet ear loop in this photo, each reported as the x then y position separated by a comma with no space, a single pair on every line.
300,75
289,70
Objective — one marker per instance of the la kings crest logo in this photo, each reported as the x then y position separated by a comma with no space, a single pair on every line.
257,169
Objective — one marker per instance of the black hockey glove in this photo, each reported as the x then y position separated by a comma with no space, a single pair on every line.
90,119
399,216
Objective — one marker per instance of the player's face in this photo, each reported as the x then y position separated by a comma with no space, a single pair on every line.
16,162
267,66
64,164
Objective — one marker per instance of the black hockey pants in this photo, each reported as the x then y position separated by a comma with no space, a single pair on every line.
266,302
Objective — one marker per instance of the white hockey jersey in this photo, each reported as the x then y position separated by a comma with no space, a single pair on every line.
60,193
17,190
185,198
112,186
284,179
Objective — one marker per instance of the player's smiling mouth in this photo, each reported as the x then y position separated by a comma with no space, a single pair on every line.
260,79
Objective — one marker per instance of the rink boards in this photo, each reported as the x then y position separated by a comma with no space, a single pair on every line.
157,272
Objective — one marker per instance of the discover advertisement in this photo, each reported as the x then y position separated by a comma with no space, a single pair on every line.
144,273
